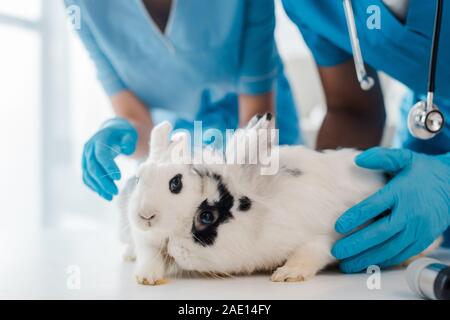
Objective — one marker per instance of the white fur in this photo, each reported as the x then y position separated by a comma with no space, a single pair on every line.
290,225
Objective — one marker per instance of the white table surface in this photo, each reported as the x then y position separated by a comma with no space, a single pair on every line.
34,265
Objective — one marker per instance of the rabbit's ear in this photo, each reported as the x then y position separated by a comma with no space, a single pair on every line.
180,137
253,121
180,151
159,140
258,138
267,135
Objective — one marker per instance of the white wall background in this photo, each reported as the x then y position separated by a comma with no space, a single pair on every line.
19,111
50,103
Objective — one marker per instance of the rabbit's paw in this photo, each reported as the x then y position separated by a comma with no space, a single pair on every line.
129,255
150,281
305,262
293,274
150,274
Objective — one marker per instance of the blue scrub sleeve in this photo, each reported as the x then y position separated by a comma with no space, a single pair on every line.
258,69
106,74
325,53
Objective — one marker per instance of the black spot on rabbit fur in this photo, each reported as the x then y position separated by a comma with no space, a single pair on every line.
244,204
222,207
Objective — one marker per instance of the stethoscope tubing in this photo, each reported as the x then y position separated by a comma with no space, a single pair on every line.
365,81
427,107
435,46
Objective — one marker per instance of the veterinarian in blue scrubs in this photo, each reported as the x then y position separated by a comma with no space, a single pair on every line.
416,201
214,61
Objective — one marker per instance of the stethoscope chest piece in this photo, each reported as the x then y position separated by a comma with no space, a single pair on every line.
425,122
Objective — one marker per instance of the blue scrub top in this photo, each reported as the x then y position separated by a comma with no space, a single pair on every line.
210,52
401,50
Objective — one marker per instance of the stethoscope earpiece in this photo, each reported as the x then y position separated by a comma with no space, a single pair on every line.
367,83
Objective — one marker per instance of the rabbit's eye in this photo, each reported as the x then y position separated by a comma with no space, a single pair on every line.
206,217
175,184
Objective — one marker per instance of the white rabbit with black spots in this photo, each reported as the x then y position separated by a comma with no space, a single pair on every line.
230,219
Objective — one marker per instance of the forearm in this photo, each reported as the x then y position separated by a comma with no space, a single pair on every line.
355,118
251,105
128,106
340,129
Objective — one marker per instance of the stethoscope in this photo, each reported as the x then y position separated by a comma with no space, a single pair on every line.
424,120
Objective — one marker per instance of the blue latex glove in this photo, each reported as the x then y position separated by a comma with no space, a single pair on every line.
117,136
419,199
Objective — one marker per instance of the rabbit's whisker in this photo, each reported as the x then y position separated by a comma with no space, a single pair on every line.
109,147
109,174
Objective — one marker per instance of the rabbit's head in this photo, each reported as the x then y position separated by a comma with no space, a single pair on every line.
193,212
165,190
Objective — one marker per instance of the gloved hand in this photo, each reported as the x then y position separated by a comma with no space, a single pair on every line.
117,136
419,199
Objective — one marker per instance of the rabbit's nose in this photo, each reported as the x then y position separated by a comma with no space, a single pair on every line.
147,215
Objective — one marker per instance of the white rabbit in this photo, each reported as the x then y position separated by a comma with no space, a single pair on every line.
230,219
